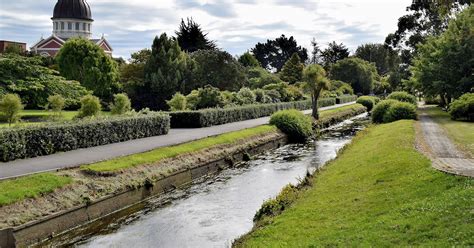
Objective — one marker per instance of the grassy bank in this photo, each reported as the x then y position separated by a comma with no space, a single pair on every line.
461,132
379,192
30,186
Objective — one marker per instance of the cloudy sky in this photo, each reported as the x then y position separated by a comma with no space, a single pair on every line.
236,25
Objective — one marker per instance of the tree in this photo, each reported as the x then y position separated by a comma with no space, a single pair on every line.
273,54
384,57
315,53
444,65
292,71
164,74
81,60
333,53
218,69
10,106
56,103
259,77
316,81
121,104
34,82
248,60
14,48
191,38
359,73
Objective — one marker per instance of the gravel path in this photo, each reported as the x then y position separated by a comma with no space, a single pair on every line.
445,155
106,152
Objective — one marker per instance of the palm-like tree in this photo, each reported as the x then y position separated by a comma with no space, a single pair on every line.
316,81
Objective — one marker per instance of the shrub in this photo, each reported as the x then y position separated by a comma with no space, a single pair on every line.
42,140
90,106
380,109
192,100
295,93
367,101
56,103
402,97
246,96
277,205
430,100
121,104
345,89
463,108
178,102
345,99
400,111
293,123
209,97
274,95
10,106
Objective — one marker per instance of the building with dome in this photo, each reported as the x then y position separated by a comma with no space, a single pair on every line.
71,18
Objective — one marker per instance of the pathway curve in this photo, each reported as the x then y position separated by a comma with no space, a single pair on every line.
444,153
106,152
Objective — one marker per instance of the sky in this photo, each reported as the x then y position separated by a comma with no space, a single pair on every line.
235,25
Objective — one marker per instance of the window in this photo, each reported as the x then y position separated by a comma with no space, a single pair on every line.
88,27
62,25
84,26
69,26
55,26
77,25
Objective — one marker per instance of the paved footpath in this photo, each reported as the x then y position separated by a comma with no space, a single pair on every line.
445,155
100,153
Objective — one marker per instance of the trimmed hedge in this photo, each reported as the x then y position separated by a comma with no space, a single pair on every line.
218,116
345,99
402,96
36,141
296,125
367,101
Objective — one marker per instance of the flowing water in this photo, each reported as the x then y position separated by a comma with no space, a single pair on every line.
214,212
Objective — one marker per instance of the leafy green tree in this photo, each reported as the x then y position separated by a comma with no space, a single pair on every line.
191,38
316,81
178,102
34,82
56,103
333,53
81,60
248,60
444,64
90,106
10,106
292,71
164,73
359,73
14,49
273,54
121,104
259,77
218,69
384,57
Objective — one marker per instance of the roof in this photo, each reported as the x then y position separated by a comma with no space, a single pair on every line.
72,9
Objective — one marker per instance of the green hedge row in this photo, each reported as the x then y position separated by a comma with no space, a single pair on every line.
33,141
217,116
345,99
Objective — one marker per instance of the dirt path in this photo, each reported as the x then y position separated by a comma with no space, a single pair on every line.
442,151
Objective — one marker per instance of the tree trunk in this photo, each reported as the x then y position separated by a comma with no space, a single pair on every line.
315,97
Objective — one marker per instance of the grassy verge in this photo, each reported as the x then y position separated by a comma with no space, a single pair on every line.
379,192
461,132
30,186
331,112
173,151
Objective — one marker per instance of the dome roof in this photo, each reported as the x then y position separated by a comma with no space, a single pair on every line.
72,9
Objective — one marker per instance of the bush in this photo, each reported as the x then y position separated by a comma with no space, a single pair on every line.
400,111
463,108
56,103
10,106
293,123
402,97
246,96
35,141
380,109
90,106
178,102
275,206
192,100
367,101
345,99
209,97
121,104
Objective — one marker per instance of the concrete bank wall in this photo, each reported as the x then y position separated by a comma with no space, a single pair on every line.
119,205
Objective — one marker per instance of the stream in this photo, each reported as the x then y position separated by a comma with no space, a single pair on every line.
217,210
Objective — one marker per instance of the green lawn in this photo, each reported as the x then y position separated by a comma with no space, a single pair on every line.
30,186
329,112
461,132
379,192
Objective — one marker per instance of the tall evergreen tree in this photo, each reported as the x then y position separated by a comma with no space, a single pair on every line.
164,73
191,38
248,60
333,53
315,53
292,71
384,57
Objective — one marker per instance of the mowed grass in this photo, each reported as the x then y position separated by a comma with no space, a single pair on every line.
173,151
329,112
15,190
379,192
461,132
